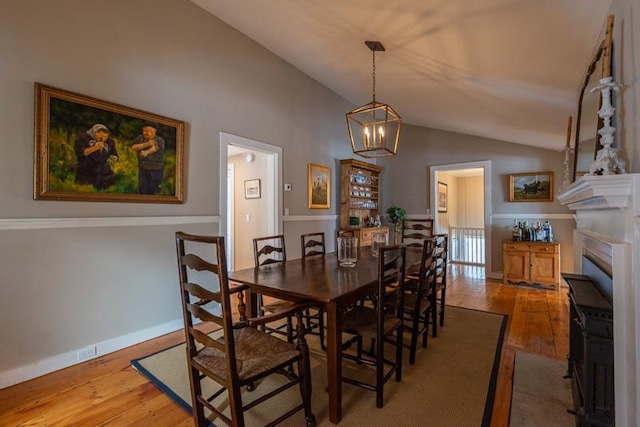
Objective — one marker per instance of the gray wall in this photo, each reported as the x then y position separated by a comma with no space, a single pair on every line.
63,289
421,148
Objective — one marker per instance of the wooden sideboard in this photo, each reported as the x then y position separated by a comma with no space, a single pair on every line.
364,234
532,263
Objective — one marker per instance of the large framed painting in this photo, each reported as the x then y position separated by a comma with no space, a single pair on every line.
531,187
87,149
319,187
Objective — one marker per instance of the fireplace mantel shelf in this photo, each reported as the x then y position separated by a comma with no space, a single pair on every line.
601,192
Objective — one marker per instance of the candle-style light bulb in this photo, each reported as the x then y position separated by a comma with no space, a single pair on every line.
366,137
381,133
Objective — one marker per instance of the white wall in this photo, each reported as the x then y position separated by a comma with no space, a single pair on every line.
256,225
626,70
469,201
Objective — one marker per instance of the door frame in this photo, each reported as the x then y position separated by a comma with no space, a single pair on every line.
272,188
485,165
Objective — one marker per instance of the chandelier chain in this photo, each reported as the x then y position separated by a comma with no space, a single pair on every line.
374,75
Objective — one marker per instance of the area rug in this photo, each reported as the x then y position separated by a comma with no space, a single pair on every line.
452,382
540,395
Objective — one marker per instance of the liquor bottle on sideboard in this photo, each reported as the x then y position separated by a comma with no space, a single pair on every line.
516,233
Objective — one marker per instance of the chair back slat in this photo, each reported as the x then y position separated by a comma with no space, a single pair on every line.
204,295
414,231
312,244
203,314
269,250
206,340
194,262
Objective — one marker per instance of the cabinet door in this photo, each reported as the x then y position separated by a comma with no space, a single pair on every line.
365,235
515,265
545,268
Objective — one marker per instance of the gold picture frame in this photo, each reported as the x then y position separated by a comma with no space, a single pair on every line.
531,187
319,186
443,197
87,149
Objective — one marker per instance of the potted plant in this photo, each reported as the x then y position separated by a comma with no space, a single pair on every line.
395,215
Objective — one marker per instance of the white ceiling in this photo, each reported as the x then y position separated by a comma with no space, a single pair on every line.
509,70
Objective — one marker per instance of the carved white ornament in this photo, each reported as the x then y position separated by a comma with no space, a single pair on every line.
607,161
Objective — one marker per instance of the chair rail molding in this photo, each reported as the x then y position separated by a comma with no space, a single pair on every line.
291,218
52,223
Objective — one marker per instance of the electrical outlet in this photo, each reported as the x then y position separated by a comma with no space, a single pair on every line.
87,353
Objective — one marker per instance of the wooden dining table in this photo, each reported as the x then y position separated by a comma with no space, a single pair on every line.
332,287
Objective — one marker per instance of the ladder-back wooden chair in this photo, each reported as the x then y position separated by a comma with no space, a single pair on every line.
312,244
414,231
441,251
235,354
379,322
418,301
271,250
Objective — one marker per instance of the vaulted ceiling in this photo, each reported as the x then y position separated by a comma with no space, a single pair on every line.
509,70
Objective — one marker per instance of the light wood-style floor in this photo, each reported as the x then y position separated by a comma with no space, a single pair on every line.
107,391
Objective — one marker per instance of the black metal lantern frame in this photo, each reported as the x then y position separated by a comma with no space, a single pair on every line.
374,128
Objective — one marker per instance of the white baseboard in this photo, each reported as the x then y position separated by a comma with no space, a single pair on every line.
60,361
493,275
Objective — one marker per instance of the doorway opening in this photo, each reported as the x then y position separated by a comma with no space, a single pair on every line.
250,195
461,203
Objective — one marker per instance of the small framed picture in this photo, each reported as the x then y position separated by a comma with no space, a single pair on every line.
531,187
319,187
252,189
442,197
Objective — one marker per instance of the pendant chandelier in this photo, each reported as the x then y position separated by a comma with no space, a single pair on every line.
374,128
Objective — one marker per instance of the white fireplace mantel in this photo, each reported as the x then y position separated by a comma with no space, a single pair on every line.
601,192
607,211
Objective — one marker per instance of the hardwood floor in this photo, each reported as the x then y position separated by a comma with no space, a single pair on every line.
108,391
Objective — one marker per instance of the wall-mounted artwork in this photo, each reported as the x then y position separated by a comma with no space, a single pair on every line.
252,189
443,200
319,187
531,187
87,149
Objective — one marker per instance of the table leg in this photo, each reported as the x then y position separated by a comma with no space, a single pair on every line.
252,303
334,362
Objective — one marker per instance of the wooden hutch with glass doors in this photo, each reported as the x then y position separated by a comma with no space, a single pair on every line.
360,199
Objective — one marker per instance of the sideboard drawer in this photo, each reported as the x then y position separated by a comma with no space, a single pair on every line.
516,246
544,248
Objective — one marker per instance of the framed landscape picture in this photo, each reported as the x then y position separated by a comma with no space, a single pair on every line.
531,187
87,149
319,187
